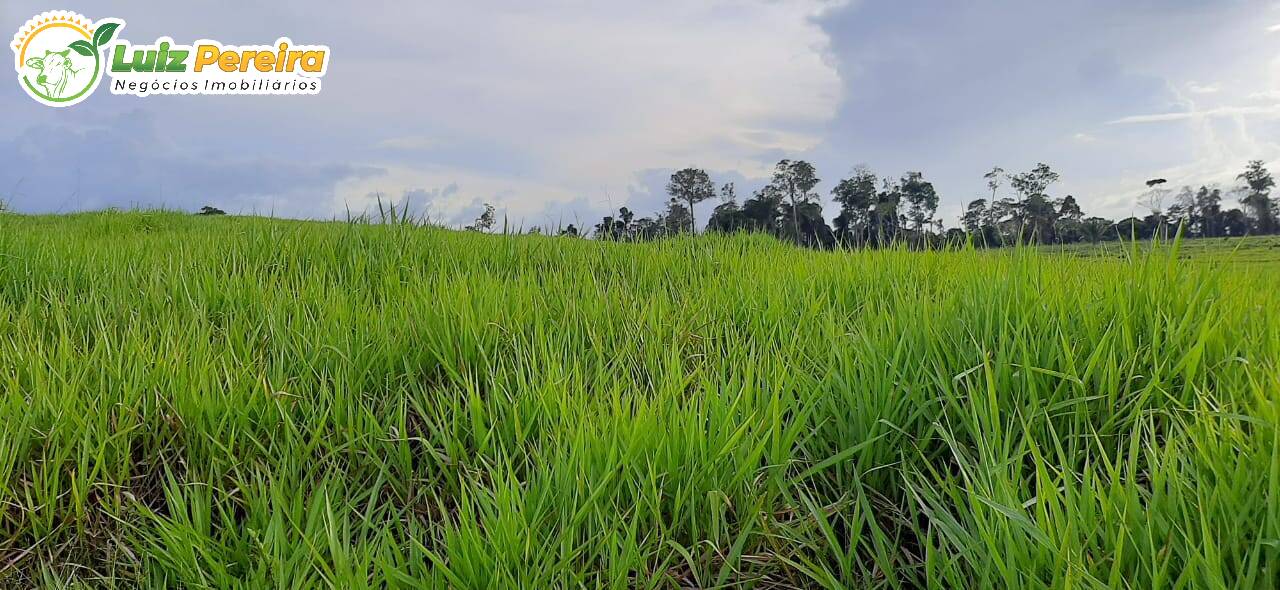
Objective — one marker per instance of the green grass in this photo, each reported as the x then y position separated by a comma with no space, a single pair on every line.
1246,250
239,402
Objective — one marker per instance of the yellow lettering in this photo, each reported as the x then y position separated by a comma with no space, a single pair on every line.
265,61
205,55
282,57
312,60
229,61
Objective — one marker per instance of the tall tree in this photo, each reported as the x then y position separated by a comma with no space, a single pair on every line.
620,228
994,178
1153,198
1257,196
1070,209
1067,227
1183,212
921,198
728,193
794,180
974,216
727,217
1035,215
1209,207
677,218
691,186
884,215
1035,181
761,211
813,228
856,196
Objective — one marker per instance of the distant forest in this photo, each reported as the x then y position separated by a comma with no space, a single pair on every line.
875,211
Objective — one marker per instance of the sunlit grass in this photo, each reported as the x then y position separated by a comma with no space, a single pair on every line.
236,402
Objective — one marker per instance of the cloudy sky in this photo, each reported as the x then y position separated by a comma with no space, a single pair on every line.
556,111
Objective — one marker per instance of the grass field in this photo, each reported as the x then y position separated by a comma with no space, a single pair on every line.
1246,250
239,402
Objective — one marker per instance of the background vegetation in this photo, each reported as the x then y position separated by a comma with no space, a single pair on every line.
222,402
874,211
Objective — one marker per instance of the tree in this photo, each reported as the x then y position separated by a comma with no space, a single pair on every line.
647,229
1132,227
1257,197
980,223
205,210
1183,212
1070,209
1040,218
1094,229
921,198
676,219
727,217
1070,216
1034,182
794,180
856,196
620,228
570,231
692,186
728,193
813,228
1209,207
993,180
884,215
1153,198
974,216
761,211
485,221
1034,214
1235,223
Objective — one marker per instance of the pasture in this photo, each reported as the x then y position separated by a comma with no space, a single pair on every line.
250,403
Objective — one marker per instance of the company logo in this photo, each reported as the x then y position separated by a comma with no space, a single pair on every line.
61,57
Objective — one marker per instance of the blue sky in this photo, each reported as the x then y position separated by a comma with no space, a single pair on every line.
557,111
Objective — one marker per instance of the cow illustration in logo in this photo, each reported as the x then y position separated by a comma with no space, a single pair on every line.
59,56
55,71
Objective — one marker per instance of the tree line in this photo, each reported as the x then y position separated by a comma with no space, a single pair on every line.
875,211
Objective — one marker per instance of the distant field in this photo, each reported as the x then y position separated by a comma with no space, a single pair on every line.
1247,249
240,402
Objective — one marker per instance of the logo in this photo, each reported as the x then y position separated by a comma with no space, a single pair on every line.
61,57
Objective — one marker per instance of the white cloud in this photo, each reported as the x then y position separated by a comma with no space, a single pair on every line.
1196,88
585,94
1231,111
553,101
410,143
452,197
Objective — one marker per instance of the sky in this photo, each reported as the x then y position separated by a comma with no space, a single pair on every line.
559,111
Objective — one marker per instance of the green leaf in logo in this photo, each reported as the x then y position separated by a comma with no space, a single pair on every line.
83,48
103,35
